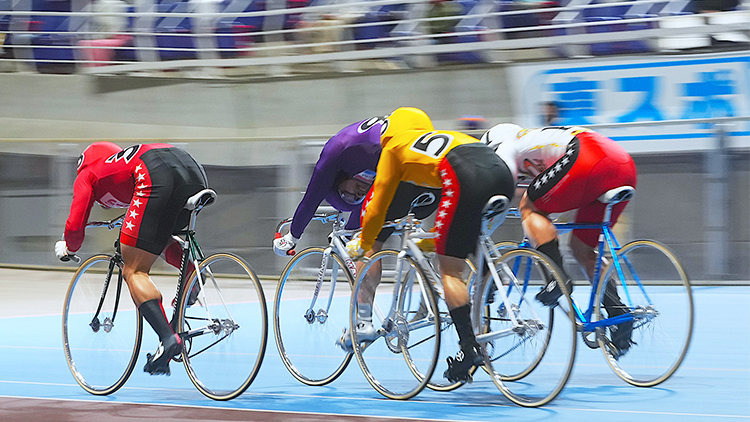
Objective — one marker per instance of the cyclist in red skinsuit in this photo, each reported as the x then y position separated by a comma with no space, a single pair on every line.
154,182
570,167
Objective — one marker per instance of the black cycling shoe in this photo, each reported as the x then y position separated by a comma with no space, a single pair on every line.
620,334
158,363
459,367
552,292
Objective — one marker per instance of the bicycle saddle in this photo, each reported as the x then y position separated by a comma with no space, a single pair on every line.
201,199
621,194
497,205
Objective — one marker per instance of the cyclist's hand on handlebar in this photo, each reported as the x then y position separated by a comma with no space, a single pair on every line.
62,252
354,248
284,245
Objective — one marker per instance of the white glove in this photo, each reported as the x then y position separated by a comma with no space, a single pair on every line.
61,250
354,248
284,245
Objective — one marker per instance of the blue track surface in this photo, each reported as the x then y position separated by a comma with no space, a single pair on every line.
712,384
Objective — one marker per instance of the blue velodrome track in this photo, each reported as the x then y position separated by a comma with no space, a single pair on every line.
713,383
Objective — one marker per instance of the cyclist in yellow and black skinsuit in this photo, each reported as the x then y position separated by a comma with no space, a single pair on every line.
469,174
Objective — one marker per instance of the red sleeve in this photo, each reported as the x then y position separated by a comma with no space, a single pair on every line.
83,200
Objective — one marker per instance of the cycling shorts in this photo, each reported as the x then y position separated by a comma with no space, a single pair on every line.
592,165
405,194
169,177
471,174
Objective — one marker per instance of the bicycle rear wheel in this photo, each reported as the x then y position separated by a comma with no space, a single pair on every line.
527,360
658,294
226,329
401,361
310,311
102,346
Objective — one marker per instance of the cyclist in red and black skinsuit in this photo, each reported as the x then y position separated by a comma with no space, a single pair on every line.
153,181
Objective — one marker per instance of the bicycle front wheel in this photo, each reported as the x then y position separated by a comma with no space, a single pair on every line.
101,327
527,360
225,327
401,360
656,291
310,311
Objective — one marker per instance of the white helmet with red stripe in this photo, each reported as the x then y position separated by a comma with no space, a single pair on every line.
501,133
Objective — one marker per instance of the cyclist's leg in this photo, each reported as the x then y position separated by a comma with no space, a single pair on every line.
457,299
465,195
173,256
365,330
605,165
136,267
169,177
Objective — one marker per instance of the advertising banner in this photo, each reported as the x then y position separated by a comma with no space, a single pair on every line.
604,91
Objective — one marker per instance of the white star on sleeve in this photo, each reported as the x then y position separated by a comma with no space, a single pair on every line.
138,167
133,214
129,225
137,202
141,176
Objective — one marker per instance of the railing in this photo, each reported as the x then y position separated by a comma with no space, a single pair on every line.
94,38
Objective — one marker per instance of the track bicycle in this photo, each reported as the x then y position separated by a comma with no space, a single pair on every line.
314,284
219,312
656,291
509,324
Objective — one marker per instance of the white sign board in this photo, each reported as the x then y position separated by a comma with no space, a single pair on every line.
652,88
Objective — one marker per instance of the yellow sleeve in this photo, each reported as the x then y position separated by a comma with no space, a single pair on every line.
383,191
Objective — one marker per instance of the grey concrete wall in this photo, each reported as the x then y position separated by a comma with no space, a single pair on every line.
71,106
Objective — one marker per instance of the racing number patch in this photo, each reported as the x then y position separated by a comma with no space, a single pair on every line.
432,144
127,154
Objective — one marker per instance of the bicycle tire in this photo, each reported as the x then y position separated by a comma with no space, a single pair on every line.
413,335
505,246
101,355
662,306
529,362
225,342
309,351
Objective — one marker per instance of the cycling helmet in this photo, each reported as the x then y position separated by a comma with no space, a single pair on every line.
403,119
95,152
501,133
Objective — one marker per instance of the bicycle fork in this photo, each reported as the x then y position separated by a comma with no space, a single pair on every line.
322,315
108,323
